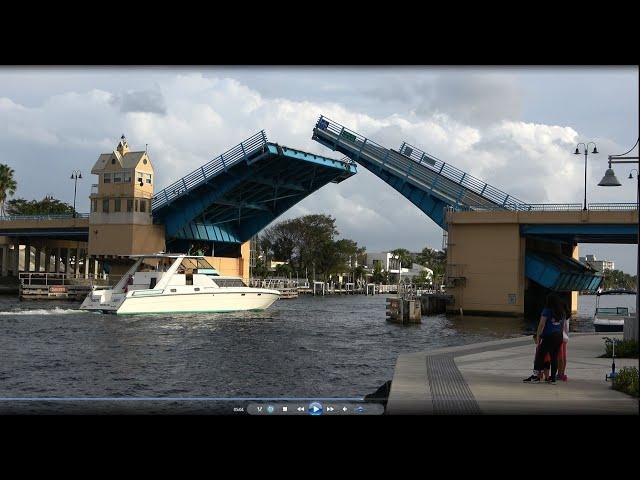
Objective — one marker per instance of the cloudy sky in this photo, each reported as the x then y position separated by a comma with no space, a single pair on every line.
516,128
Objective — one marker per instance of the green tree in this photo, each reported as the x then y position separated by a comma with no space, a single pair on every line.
378,275
8,186
283,270
618,279
404,255
47,206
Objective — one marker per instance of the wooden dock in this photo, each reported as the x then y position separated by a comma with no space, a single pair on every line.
56,286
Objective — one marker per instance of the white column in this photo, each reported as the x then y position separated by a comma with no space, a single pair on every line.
86,263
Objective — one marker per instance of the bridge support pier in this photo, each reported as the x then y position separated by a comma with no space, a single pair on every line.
38,253
5,260
76,266
47,259
16,257
67,260
27,256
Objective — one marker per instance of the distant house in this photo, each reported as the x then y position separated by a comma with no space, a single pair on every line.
390,264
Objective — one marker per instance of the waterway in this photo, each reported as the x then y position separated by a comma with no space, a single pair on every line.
310,347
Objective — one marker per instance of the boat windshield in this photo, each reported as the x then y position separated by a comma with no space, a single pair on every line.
191,264
612,311
229,282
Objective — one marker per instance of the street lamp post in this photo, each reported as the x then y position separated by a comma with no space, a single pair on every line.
610,180
586,153
75,175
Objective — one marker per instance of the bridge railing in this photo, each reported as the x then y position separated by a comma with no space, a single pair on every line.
57,216
551,207
483,190
613,206
491,193
236,154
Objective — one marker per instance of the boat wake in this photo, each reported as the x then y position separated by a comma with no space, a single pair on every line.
43,311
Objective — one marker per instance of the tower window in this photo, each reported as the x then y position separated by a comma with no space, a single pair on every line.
106,178
148,178
105,205
127,176
129,204
113,161
143,205
117,177
116,205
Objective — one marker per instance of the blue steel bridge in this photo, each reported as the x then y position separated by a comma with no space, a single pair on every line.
237,194
436,187
226,201
234,196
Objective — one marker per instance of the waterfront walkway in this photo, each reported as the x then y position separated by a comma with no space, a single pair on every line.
486,378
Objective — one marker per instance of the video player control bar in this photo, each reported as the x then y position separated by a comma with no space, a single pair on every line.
315,408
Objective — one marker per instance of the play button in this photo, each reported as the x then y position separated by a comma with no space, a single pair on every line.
315,408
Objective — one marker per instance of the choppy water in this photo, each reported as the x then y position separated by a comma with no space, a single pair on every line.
310,347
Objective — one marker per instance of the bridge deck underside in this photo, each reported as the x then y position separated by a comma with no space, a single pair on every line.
584,233
80,234
239,202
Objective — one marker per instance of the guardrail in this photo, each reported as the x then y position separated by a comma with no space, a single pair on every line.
613,206
551,207
459,179
56,216
477,186
236,154
51,278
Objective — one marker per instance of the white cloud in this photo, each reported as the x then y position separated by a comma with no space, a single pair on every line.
189,119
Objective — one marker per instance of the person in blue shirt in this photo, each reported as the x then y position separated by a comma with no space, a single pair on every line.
549,338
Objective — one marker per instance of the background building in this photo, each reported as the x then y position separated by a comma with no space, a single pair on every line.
600,265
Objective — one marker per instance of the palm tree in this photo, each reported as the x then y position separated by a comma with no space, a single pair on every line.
8,185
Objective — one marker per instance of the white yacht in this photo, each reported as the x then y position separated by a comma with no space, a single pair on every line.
611,319
165,283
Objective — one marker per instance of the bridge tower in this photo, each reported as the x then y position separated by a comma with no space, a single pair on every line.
120,222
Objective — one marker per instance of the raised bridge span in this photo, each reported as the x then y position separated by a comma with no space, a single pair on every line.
494,238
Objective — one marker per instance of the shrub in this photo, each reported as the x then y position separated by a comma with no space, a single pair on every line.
624,348
626,381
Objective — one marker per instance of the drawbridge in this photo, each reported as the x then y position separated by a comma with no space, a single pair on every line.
435,187
238,193
427,182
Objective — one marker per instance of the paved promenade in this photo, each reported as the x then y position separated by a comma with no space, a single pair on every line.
486,378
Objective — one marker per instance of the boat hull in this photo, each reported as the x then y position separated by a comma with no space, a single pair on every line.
219,302
609,328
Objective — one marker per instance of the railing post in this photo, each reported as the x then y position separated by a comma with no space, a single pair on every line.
244,153
338,139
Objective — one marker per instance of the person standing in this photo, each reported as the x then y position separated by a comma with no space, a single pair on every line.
562,354
549,338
